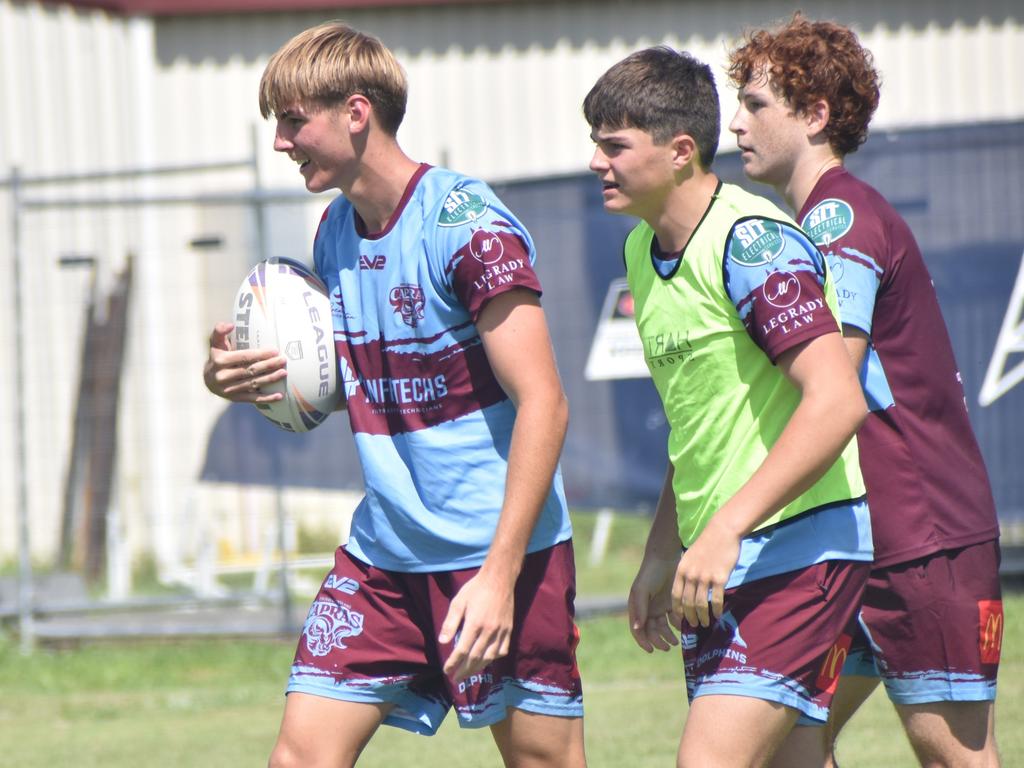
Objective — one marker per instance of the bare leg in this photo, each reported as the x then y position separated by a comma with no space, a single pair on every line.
528,740
853,691
733,731
806,746
952,733
317,732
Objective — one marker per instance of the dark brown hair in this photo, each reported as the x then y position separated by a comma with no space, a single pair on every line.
662,92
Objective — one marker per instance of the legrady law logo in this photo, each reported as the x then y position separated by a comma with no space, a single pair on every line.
828,221
486,247
781,289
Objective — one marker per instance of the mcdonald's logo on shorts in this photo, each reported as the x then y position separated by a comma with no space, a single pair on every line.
832,667
990,626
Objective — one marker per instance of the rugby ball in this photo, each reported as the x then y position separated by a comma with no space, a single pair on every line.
284,306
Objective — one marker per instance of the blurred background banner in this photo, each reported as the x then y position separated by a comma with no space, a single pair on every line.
960,188
137,185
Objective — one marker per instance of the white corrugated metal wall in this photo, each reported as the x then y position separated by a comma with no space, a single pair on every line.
67,106
495,91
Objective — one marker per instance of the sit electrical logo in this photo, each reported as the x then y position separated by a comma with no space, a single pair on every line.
828,221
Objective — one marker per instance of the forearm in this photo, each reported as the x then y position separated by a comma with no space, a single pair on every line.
857,343
815,436
536,444
663,539
830,410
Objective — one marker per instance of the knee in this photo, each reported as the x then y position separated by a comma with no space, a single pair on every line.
291,755
284,756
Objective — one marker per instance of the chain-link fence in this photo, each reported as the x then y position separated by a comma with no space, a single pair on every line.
115,280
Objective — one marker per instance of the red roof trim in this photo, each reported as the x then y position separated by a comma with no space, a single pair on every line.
196,7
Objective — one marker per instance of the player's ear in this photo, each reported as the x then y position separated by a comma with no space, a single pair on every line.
359,110
684,150
817,116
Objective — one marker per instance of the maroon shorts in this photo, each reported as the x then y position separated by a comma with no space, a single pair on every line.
371,636
932,628
781,638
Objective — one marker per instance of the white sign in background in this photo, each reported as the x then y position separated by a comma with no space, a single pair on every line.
617,351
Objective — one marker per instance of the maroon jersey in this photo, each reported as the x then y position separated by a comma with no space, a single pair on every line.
928,489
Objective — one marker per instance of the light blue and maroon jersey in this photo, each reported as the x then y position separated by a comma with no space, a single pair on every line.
431,422
926,479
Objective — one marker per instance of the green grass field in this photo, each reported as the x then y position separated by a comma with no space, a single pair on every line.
218,702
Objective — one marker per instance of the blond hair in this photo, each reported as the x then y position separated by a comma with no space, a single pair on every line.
325,65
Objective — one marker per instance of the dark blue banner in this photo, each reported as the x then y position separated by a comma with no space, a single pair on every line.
961,189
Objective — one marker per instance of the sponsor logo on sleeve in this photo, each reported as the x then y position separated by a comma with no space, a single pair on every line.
756,242
791,318
486,247
328,624
828,221
461,207
409,303
990,620
781,289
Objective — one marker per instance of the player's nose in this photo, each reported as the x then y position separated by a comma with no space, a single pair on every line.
281,142
736,124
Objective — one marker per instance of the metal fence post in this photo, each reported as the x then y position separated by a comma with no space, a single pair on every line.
260,214
26,619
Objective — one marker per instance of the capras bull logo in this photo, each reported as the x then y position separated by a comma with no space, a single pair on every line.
328,624
409,303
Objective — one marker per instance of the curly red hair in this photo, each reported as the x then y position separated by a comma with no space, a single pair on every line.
811,60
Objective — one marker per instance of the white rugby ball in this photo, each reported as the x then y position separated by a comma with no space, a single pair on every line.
284,306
